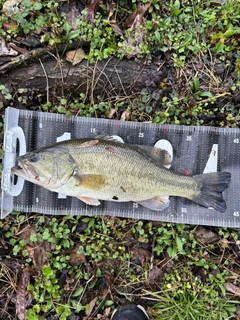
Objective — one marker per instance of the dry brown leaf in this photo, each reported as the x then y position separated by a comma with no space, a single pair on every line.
116,27
75,56
142,254
107,312
38,255
155,274
232,288
23,296
8,26
91,307
204,235
125,115
76,259
131,45
91,9
26,233
11,7
140,11
111,113
238,315
14,264
5,51
37,250
135,33
68,286
72,15
113,23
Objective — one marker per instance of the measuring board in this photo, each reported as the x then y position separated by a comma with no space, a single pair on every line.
195,150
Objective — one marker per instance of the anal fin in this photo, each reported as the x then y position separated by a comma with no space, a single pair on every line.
91,201
157,203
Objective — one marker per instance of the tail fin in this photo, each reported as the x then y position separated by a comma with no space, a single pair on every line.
212,185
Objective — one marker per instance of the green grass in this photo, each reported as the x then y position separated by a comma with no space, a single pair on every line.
74,260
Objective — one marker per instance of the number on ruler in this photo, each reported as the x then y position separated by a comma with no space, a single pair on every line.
135,205
141,135
93,130
236,140
189,138
236,213
40,125
184,210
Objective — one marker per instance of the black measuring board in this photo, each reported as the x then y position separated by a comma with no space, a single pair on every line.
192,147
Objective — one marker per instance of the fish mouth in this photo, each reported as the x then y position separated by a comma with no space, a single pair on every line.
25,171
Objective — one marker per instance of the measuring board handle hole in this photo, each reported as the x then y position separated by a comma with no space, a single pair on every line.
14,146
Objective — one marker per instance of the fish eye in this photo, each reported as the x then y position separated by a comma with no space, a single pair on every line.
34,157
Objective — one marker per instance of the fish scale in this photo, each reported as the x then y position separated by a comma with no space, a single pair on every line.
190,154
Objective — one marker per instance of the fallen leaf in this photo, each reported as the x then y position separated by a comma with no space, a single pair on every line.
5,51
26,233
68,285
232,288
14,264
23,296
140,11
75,56
76,259
37,250
113,23
91,306
116,27
205,236
18,49
72,15
125,115
91,9
135,34
38,255
11,7
111,113
107,312
154,275
9,26
142,254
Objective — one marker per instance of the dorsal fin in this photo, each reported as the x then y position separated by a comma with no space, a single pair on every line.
105,136
160,156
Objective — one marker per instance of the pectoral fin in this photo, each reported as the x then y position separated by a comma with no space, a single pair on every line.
91,201
157,203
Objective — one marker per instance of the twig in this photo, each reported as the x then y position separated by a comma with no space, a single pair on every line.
212,98
46,80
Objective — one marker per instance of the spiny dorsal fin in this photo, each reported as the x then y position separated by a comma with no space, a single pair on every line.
159,155
106,137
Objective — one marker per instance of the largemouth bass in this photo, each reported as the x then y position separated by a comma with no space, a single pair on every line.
100,169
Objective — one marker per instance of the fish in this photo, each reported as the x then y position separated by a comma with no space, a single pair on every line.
101,168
